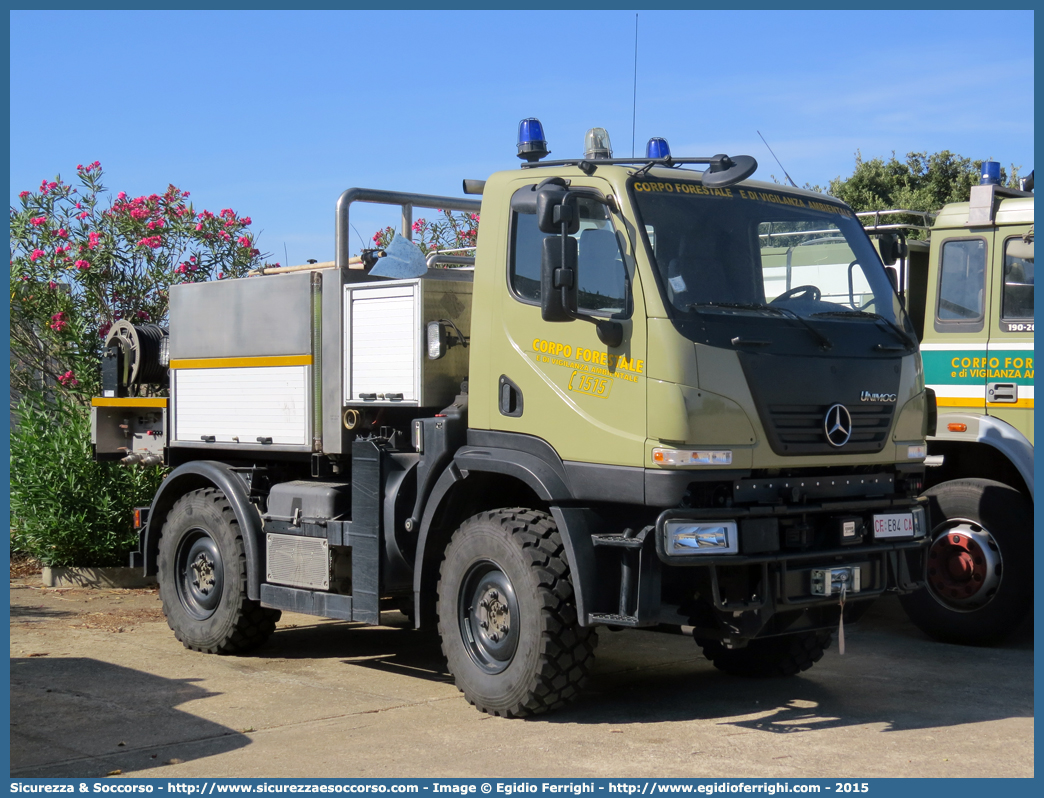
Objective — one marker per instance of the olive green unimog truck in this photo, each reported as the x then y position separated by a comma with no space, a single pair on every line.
969,292
654,398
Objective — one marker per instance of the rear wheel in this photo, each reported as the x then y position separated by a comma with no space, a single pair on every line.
507,615
202,578
787,655
979,569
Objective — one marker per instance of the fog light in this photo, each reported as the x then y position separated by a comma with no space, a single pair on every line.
700,537
688,457
917,452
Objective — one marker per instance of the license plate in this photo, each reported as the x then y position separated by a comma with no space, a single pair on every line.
894,525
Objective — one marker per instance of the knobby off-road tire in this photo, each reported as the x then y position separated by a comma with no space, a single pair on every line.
979,570
203,577
787,655
507,615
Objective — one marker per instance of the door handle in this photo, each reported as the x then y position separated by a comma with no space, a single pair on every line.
510,398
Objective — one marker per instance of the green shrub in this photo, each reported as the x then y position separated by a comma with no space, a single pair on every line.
66,509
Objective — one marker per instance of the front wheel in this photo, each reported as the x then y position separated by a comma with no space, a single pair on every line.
507,615
979,569
786,655
202,578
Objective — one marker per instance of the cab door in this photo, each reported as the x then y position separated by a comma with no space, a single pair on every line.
556,380
1009,383
956,327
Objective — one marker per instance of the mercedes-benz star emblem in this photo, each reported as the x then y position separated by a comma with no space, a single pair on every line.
838,425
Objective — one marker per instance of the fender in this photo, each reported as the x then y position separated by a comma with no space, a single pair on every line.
993,432
206,474
575,525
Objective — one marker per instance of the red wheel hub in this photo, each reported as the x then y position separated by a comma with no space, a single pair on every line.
957,566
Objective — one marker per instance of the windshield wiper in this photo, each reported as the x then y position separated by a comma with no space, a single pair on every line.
883,323
787,313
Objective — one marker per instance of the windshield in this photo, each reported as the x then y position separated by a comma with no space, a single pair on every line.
766,252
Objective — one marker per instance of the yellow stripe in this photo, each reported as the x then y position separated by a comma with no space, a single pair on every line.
151,401
242,362
959,401
1018,403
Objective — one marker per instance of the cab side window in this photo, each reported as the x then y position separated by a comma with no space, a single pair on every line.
962,285
1017,302
602,274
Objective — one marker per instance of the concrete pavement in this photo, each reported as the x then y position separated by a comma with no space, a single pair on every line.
99,684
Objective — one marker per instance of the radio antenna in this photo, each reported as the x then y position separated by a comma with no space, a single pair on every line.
285,254
634,94
777,160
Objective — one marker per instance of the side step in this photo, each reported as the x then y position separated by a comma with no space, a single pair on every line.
611,619
307,602
621,541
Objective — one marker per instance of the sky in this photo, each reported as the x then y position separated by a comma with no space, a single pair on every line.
274,114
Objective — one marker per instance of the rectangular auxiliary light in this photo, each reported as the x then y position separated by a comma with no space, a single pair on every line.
683,538
689,457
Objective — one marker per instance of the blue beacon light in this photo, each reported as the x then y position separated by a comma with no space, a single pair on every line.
657,148
531,143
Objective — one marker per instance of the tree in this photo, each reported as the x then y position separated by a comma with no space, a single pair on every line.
79,263
921,183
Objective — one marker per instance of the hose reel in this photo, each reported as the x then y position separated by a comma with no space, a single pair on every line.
134,355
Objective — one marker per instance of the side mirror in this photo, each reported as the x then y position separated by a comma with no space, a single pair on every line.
558,279
888,246
892,246
893,277
556,205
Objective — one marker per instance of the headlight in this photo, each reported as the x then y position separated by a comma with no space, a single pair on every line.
682,538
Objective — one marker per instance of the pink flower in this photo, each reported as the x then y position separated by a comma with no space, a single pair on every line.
69,379
39,220
82,265
51,284
37,253
155,223
104,329
82,215
243,241
58,323
245,221
62,233
192,258
199,226
225,235
93,239
122,195
24,194
152,242
221,275
141,314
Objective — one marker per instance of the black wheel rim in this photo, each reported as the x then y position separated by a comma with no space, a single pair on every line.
200,574
488,617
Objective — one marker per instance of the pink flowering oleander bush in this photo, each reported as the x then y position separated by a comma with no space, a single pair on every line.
81,260
451,231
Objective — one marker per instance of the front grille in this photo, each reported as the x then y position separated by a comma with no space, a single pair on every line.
798,429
